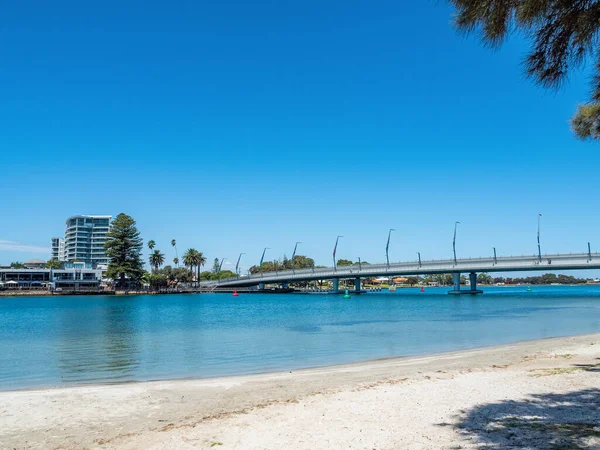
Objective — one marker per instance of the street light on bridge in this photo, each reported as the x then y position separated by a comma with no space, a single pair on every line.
294,256
419,253
359,264
335,251
454,241
237,265
538,239
495,259
262,258
387,248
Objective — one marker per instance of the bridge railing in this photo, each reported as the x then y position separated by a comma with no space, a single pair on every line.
426,265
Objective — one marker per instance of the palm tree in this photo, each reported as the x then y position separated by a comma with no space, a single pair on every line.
200,261
189,259
193,258
151,244
174,244
176,261
156,259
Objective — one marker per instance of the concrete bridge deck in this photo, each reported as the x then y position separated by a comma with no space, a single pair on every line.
472,266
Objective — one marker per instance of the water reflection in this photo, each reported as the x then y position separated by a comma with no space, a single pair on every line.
99,347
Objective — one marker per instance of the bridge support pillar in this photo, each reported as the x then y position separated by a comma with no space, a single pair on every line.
357,284
336,285
261,286
456,279
472,280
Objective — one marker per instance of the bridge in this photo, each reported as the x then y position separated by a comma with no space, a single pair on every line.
472,266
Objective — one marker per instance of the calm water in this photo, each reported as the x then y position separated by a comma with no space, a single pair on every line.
66,340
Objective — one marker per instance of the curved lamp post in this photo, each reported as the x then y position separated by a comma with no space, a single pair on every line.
454,241
538,239
387,248
262,258
294,257
237,265
335,251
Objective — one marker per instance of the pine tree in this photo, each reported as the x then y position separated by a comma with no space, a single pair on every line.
123,248
565,33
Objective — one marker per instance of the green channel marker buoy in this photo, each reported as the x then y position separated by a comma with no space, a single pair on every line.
528,288
346,295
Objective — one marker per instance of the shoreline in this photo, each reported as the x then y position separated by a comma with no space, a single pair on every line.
343,366
42,293
274,410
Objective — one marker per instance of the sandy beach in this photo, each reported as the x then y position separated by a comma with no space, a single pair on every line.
538,394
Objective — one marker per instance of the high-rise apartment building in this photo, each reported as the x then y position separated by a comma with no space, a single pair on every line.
85,237
58,249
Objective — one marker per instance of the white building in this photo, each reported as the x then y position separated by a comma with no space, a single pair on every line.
84,241
72,278
58,249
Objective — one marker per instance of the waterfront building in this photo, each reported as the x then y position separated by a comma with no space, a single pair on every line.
85,237
73,278
58,249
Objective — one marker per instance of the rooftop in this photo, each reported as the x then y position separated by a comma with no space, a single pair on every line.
34,261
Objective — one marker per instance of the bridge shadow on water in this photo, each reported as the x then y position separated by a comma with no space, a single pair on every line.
542,421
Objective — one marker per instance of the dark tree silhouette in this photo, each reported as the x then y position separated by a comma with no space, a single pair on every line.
564,35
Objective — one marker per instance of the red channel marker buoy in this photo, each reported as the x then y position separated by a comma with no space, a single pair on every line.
422,288
235,294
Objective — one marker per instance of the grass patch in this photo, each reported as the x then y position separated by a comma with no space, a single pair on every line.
554,371
564,370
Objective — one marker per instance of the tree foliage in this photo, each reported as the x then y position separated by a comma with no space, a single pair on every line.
156,259
564,34
17,265
300,262
344,262
193,258
208,275
586,122
157,281
176,275
123,248
52,264
412,281
547,278
484,278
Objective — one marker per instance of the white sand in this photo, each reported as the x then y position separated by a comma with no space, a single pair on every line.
541,394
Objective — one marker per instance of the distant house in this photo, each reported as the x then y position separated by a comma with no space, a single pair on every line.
34,264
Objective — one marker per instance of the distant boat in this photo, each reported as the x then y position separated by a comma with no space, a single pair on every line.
392,288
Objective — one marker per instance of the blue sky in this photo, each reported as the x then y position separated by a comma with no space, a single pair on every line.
235,125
